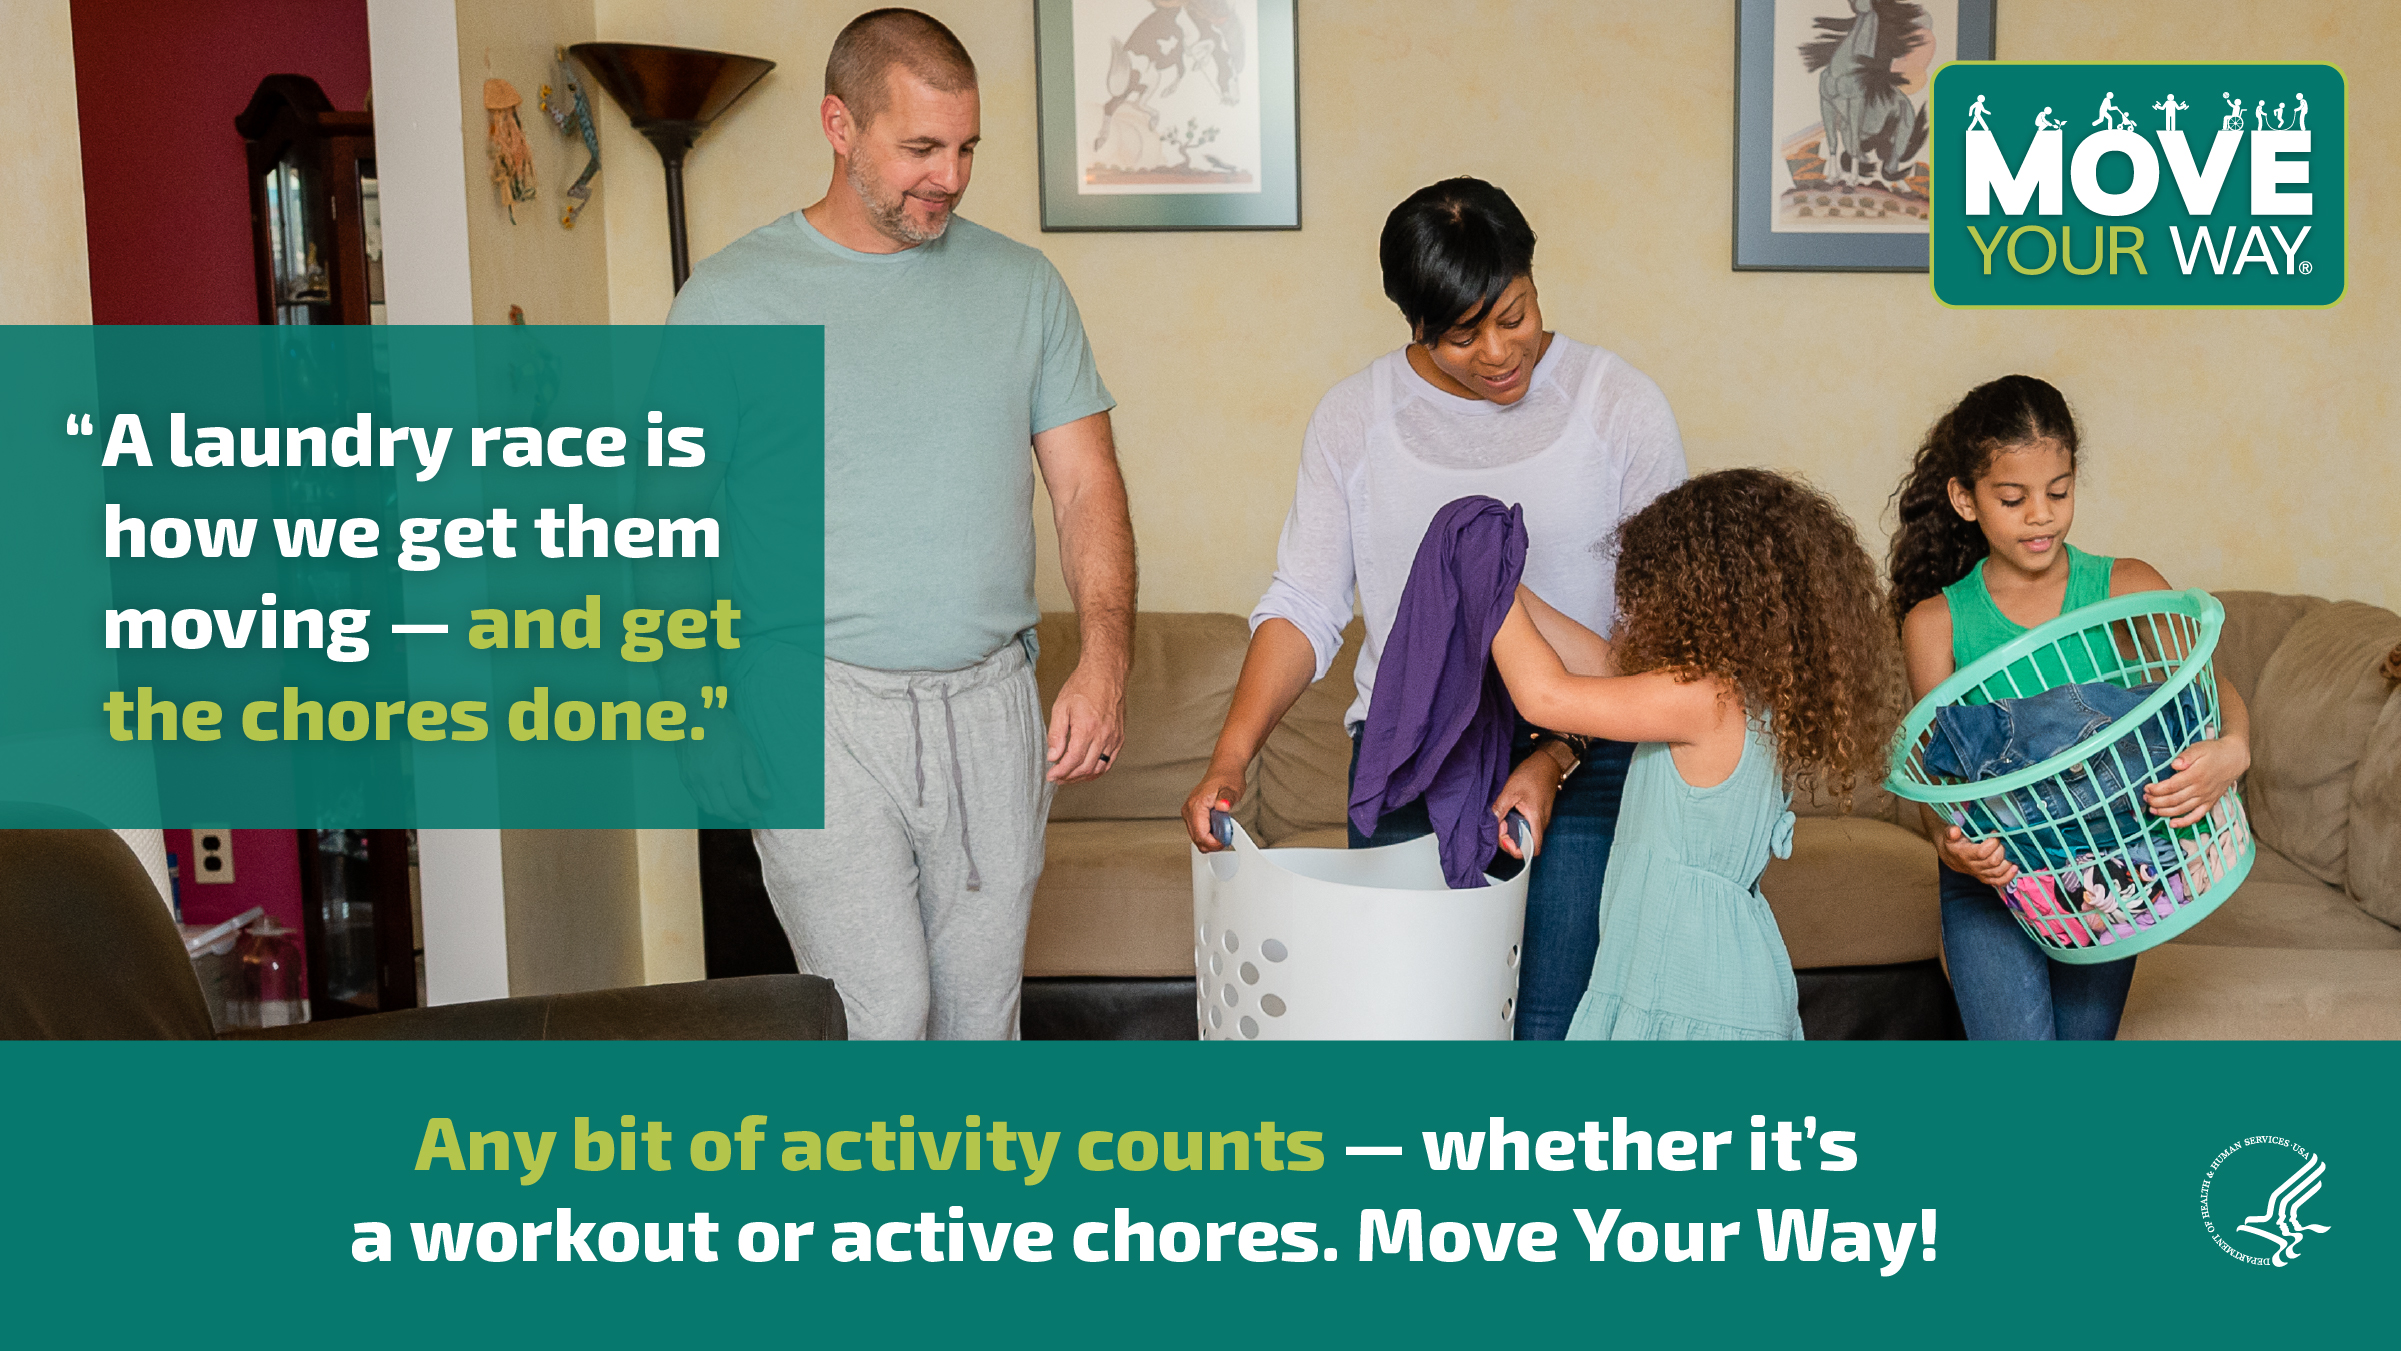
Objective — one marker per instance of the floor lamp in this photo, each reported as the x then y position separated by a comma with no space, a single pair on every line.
671,95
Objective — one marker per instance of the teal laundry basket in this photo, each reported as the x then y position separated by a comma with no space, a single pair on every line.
2099,877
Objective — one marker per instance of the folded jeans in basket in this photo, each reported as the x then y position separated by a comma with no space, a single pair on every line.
2087,808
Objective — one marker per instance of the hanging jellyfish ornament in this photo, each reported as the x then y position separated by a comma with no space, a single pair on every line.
512,158
572,114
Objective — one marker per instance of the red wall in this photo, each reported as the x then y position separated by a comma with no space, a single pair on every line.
266,871
157,86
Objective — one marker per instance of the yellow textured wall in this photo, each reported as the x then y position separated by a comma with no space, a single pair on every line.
559,276
2230,448
45,271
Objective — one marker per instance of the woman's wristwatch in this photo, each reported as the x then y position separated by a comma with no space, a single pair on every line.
1573,745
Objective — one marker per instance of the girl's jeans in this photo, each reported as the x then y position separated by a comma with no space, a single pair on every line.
2007,989
1563,900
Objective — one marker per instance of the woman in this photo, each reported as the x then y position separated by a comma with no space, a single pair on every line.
1482,400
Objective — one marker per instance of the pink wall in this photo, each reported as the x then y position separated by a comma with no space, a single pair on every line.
166,196
266,871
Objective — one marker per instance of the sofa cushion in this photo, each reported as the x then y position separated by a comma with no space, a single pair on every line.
1177,693
2375,846
2318,698
1869,801
2268,866
2281,906
1115,899
1856,892
2256,622
1304,769
2190,991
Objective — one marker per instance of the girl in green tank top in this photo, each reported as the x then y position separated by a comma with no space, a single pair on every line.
1978,626
1982,556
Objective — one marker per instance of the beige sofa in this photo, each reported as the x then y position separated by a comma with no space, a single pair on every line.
2308,948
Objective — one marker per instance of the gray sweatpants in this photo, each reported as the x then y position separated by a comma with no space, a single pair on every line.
913,899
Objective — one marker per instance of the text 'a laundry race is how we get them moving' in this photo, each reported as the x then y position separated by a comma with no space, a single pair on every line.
341,633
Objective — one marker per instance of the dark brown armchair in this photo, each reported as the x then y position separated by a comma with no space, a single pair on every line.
87,952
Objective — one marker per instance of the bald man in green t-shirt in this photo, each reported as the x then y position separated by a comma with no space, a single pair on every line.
950,350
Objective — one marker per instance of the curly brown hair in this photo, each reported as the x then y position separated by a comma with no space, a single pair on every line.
1760,581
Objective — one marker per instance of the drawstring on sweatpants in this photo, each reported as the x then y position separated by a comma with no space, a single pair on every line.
958,785
958,781
916,744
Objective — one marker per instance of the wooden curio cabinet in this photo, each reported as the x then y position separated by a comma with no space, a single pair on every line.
316,220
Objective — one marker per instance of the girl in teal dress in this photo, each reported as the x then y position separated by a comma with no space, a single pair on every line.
1751,660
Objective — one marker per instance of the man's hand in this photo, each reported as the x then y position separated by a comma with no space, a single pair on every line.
1087,727
2203,774
1981,860
725,775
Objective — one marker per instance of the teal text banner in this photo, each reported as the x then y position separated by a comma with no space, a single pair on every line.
419,576
2114,184
391,1194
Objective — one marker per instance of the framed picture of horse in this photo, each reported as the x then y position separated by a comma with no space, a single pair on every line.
1167,114
1830,128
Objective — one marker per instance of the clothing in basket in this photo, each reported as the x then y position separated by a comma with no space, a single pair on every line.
2088,808
1689,949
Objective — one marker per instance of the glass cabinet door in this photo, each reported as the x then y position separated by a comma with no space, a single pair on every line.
303,295
361,918
370,214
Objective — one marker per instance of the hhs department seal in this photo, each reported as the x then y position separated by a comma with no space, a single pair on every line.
2251,1199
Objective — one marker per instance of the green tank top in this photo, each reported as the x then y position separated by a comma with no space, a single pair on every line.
1978,626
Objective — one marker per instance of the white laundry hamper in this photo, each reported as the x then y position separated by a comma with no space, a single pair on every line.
1351,944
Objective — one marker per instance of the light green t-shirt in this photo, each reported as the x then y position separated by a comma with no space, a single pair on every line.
941,364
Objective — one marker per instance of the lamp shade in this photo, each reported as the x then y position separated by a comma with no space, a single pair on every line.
671,95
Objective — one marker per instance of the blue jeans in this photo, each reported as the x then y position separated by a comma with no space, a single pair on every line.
1563,899
2007,989
2091,808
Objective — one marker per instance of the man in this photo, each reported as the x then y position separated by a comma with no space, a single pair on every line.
948,350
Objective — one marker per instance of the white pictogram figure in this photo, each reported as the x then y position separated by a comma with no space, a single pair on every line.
2300,112
2171,107
2043,122
2259,115
2279,117
1975,115
2109,110
2234,119
2284,1211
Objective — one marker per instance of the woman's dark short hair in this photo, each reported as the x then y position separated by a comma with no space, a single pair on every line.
1450,250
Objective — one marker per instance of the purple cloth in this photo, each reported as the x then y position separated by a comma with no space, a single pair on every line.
1439,722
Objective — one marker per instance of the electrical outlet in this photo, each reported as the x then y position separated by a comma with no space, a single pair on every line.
212,854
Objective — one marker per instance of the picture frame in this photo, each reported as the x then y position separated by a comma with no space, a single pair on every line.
1167,117
1790,214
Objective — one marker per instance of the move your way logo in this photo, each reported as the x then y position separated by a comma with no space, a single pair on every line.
2236,1181
2160,185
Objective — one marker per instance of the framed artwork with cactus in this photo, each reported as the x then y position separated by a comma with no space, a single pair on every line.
1830,126
1167,114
